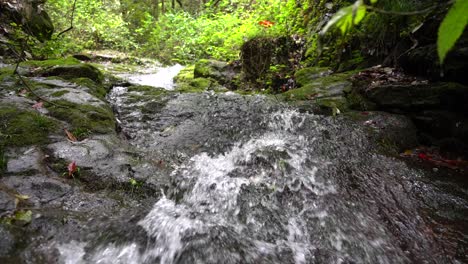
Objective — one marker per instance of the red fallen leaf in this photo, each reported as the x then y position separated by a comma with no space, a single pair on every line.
38,105
70,136
423,156
365,113
266,23
72,168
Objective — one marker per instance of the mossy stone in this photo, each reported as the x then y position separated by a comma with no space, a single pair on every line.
332,85
22,128
59,93
75,71
52,62
95,89
201,83
306,75
185,75
84,117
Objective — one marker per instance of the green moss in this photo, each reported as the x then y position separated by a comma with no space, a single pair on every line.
52,62
185,75
320,87
84,117
59,93
306,75
202,68
70,72
97,90
22,128
201,83
6,73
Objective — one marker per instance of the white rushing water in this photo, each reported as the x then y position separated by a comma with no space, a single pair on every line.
209,224
161,77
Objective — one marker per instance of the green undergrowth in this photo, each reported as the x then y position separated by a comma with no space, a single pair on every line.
83,117
21,128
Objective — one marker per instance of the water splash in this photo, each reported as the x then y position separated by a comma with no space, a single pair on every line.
266,200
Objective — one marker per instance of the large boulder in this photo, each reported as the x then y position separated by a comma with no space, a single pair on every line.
29,15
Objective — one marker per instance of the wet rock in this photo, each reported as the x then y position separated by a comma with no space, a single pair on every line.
24,161
7,243
393,133
39,189
409,97
7,202
97,157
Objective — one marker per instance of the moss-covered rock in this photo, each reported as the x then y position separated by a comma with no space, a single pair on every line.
329,86
93,88
201,83
185,75
306,75
52,62
209,68
22,128
328,93
224,73
95,119
75,71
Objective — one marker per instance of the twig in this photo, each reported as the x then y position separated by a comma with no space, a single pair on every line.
29,87
71,22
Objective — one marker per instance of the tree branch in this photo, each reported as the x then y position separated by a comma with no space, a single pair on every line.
71,22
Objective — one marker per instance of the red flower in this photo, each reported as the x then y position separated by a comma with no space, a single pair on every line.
266,23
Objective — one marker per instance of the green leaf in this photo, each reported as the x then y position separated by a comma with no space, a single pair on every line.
451,28
346,17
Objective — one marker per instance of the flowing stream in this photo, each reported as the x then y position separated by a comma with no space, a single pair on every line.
255,181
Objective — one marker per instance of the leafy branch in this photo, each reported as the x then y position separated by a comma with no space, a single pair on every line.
449,32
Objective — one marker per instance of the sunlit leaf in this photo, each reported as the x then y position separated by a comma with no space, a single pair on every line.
25,216
346,18
452,27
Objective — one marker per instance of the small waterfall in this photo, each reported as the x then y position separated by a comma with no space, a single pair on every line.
263,201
